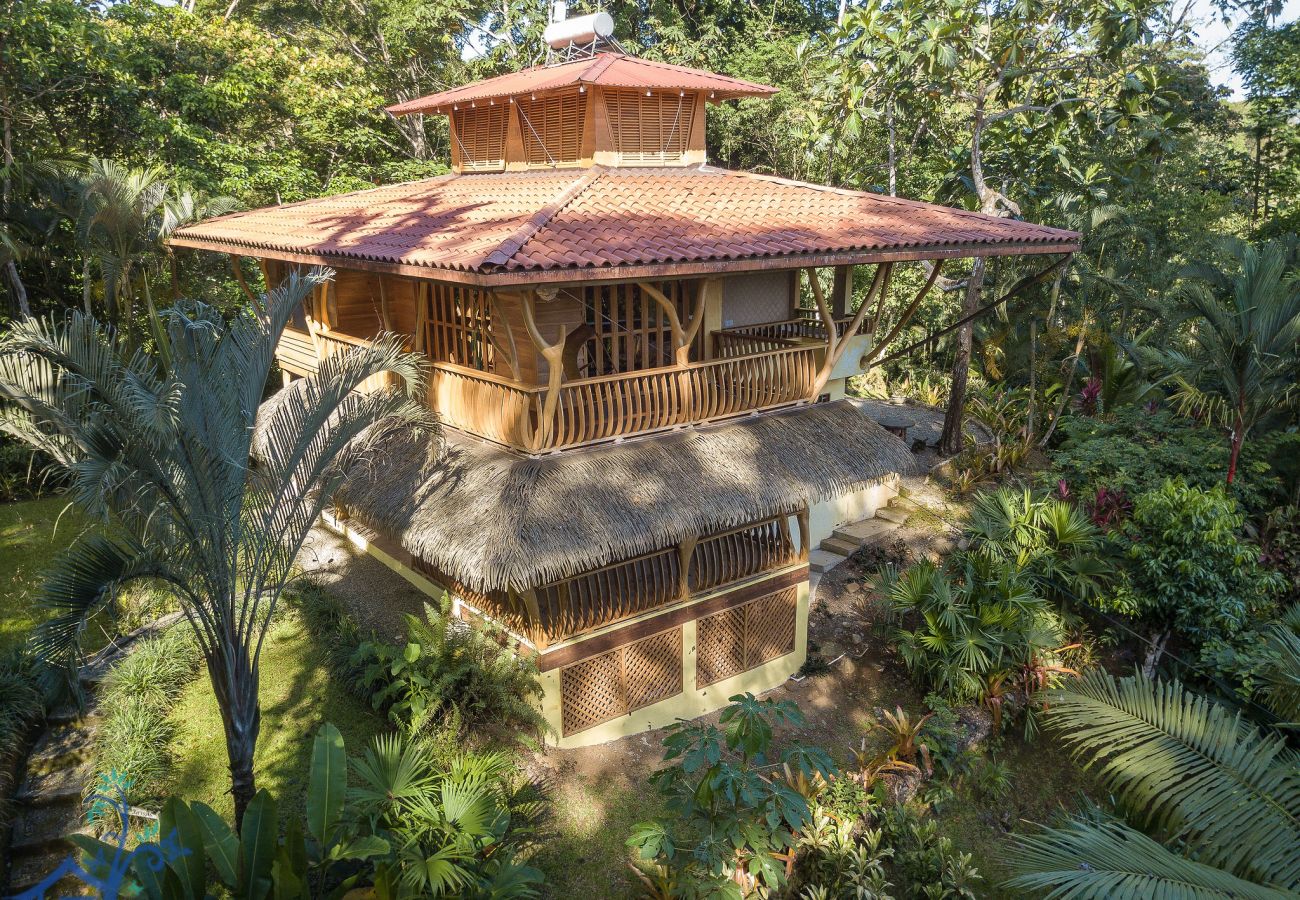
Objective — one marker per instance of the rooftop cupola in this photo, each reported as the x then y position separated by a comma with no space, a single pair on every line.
590,104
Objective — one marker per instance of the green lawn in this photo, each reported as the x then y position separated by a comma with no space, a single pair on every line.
297,694
32,532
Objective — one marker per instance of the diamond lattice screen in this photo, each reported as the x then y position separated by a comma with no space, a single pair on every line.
743,637
620,681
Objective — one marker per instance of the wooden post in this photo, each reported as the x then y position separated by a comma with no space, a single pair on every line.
535,630
842,291
880,288
509,349
834,347
685,551
802,518
554,356
243,284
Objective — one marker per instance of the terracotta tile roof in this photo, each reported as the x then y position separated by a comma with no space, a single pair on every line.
606,69
589,222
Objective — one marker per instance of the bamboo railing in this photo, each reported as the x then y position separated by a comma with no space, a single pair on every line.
591,410
625,589
766,336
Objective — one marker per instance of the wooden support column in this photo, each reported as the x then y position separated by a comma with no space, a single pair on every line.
834,346
804,533
243,284
880,289
685,551
842,291
535,630
503,336
553,353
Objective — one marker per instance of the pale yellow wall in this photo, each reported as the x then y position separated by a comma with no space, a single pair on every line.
825,517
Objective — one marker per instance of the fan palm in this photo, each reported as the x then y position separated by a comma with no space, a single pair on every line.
160,456
1243,357
1223,796
1051,542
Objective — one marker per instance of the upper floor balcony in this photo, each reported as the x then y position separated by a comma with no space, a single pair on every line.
599,364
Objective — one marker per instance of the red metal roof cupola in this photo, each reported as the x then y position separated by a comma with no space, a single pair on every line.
590,104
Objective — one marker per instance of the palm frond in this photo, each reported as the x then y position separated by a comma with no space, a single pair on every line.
1187,766
1089,860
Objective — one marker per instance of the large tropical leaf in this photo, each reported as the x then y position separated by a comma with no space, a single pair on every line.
1090,860
1188,767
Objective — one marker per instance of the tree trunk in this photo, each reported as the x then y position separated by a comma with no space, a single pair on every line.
1237,439
1156,649
19,290
234,681
950,442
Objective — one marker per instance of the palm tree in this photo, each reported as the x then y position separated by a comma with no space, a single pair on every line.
1222,797
160,455
1243,358
118,224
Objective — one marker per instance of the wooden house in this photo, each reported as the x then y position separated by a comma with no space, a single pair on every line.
644,430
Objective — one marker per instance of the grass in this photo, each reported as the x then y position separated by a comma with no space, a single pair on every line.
591,819
298,694
32,532
1045,782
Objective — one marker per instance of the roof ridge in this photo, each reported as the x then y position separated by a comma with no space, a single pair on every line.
512,244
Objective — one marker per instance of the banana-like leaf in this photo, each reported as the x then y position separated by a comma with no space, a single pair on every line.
327,785
177,822
257,846
1090,860
220,843
1189,767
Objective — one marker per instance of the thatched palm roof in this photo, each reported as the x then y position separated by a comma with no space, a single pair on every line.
495,520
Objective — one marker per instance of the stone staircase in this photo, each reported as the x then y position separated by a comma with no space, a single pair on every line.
849,539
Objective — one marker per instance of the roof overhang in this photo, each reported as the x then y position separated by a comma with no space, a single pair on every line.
598,274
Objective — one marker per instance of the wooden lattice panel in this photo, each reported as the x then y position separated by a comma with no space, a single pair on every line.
551,128
653,669
480,135
720,646
614,684
743,637
769,627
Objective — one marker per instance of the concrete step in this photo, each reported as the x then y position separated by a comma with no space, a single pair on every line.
863,532
824,560
838,545
891,514
64,745
59,786
41,828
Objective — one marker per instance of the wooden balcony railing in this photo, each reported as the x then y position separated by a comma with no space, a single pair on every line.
590,410
300,352
626,589
766,336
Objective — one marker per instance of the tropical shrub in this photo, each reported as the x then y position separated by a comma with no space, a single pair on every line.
1279,539
448,666
1280,678
1219,800
1187,570
729,828
963,624
133,744
1136,451
413,826
1052,543
332,628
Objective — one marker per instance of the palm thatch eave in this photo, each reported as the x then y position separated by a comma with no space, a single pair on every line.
494,520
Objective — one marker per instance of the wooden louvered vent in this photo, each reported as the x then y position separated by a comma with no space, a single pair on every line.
650,128
481,137
551,128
